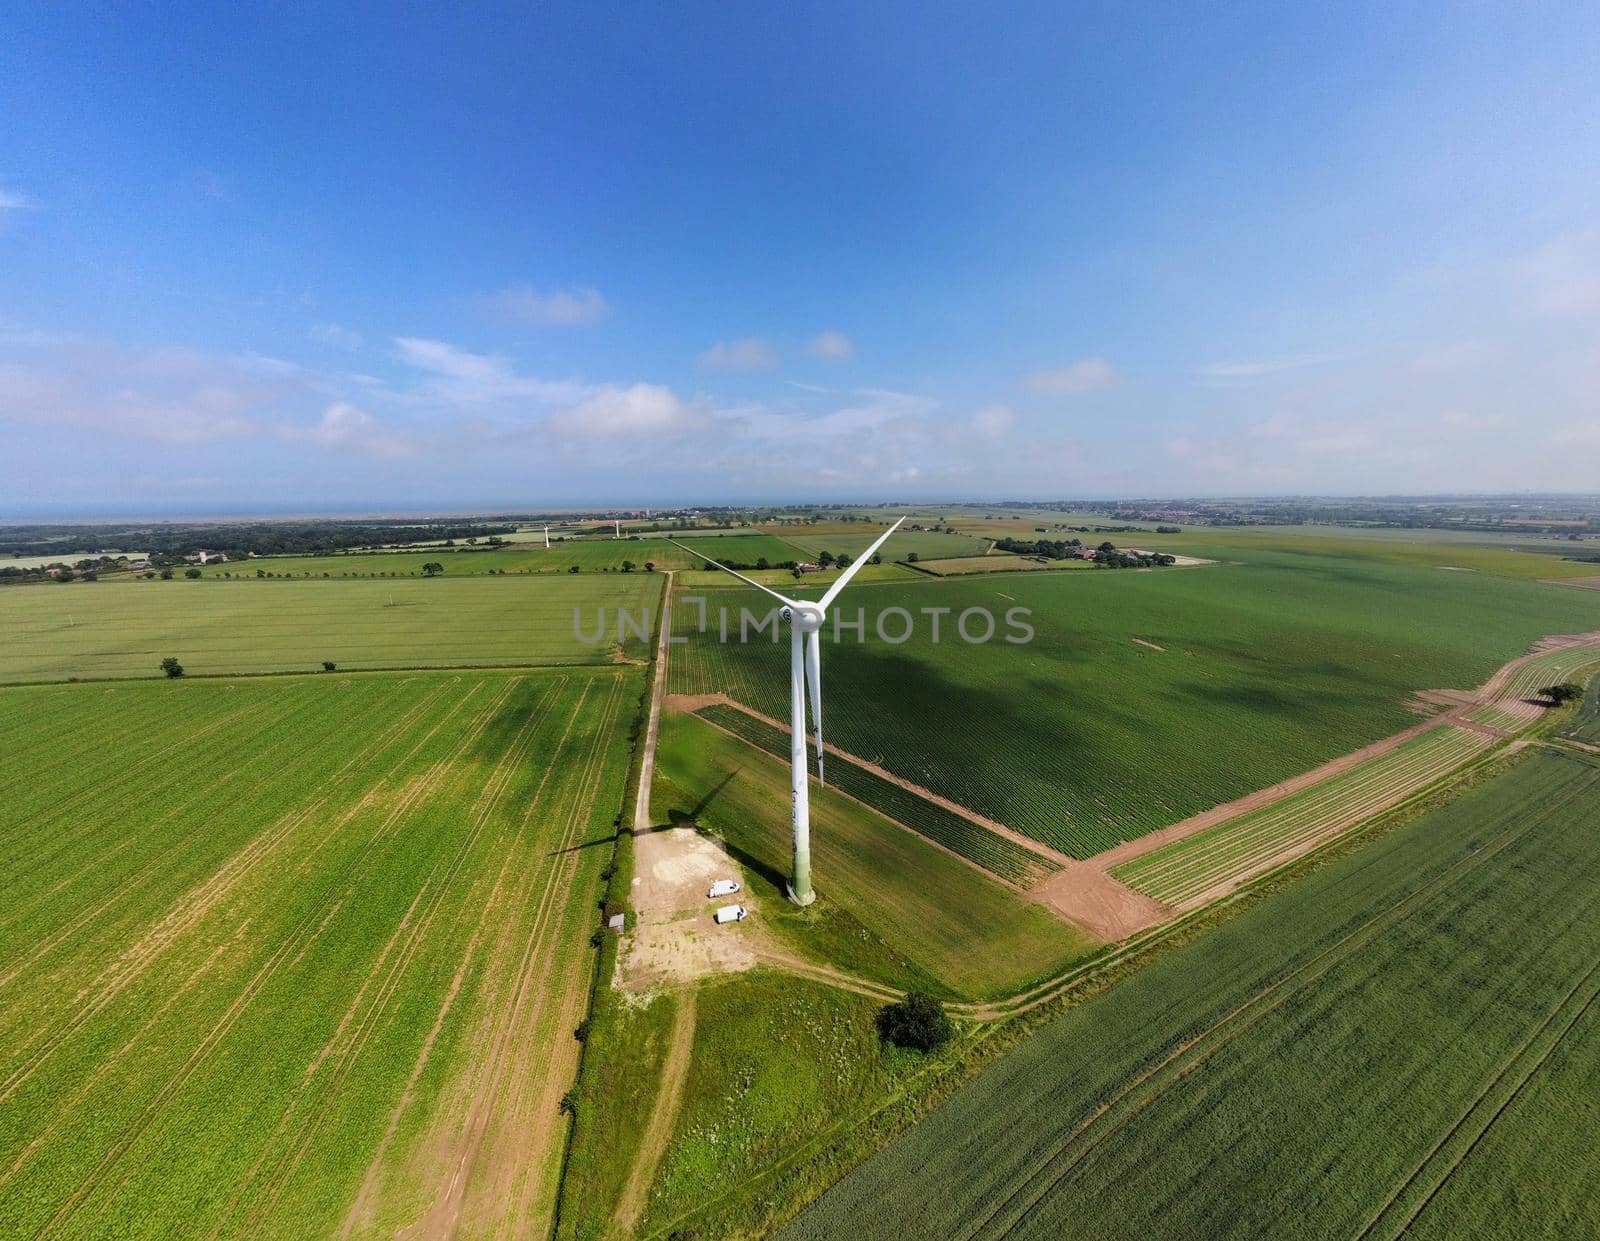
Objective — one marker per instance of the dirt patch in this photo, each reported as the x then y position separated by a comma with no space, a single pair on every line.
1455,568
669,1096
1582,583
1151,645
675,939
1085,894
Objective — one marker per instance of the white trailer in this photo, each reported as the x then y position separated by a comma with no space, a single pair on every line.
723,887
731,913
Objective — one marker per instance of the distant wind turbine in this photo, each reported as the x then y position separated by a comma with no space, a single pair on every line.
805,665
547,538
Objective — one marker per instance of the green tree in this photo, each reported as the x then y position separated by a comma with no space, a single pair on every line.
649,566
572,568
918,1022
1564,692
171,667
328,665
191,574
627,566
433,568
911,557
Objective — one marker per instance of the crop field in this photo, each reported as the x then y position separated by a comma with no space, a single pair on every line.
124,630
1000,562
1585,725
1405,1040
852,542
591,555
994,853
293,955
1084,737
695,581
891,906
1188,870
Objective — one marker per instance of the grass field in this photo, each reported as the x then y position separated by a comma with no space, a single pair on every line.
1405,1040
285,955
591,555
960,835
1585,725
1085,737
1187,869
125,630
853,541
1000,562
892,908
774,1059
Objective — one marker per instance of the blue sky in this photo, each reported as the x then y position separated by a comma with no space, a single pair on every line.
294,259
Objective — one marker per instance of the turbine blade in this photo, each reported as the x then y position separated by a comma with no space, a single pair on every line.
814,679
844,578
750,581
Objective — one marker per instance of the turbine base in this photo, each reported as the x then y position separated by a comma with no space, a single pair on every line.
798,900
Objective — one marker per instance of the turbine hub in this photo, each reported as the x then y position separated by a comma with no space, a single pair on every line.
806,617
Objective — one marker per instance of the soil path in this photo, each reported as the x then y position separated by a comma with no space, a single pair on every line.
647,764
669,1097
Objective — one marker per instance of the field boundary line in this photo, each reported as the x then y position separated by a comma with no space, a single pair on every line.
663,1112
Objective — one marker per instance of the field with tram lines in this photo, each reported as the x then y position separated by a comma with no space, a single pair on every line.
960,835
125,629
1431,999
1196,866
299,954
1089,735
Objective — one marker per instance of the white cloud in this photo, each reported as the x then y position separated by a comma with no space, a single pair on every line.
555,308
1461,420
1562,277
336,335
750,354
464,378
638,409
1261,368
344,426
831,347
994,421
1084,376
167,395
11,201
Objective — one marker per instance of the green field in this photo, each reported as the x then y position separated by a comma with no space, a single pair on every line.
1406,1040
775,1059
1084,737
852,542
960,835
284,955
1187,869
892,908
1000,562
591,555
105,629
1585,725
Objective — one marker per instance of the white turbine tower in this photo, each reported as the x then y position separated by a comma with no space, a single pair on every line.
805,665
547,538
618,520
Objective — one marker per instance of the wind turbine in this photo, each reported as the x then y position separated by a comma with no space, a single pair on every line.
805,666
547,538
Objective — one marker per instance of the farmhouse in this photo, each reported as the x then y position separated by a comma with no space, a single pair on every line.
205,557
805,566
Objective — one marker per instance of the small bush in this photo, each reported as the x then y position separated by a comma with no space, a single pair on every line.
329,666
918,1022
171,667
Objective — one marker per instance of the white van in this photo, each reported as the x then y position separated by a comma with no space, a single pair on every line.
731,913
723,887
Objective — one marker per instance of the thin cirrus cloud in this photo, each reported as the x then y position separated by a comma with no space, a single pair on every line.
460,377
750,354
523,303
1262,368
831,347
1084,376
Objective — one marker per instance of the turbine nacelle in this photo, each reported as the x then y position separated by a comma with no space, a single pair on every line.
806,617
